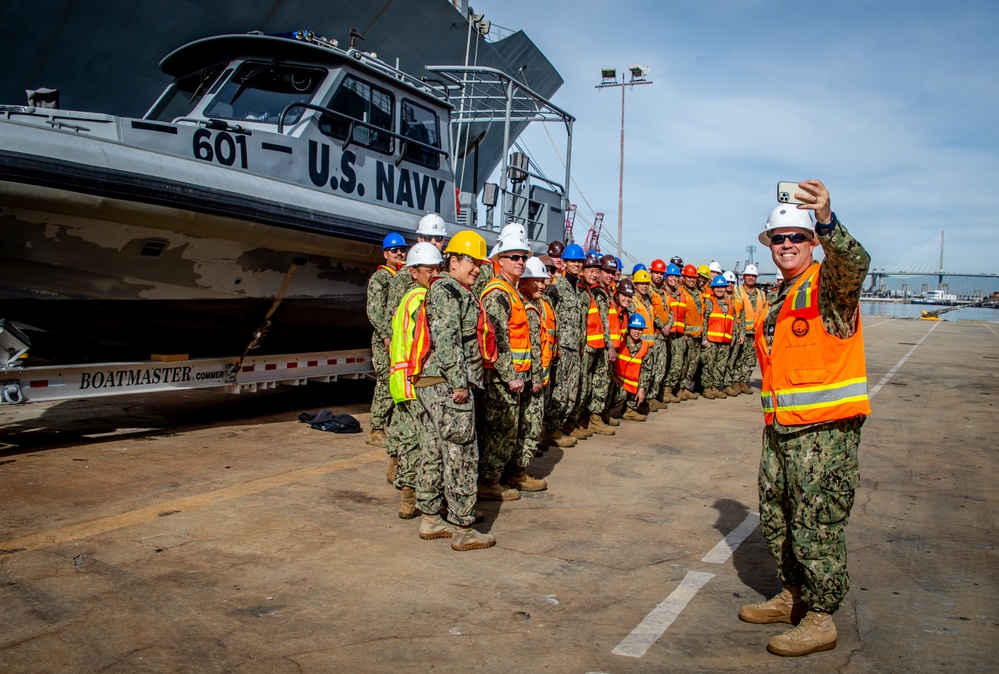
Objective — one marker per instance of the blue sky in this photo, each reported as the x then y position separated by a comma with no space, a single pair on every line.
893,104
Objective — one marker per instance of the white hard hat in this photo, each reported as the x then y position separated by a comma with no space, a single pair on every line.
514,227
512,242
432,224
714,266
423,253
729,277
751,270
787,216
535,268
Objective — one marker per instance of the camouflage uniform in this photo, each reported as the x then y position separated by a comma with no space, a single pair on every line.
693,347
677,349
570,303
533,408
808,474
381,321
402,439
645,377
502,408
400,284
596,366
486,273
735,349
714,356
660,352
746,361
448,469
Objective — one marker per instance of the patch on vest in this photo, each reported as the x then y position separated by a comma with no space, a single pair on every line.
799,327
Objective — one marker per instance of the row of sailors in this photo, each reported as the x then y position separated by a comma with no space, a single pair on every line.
483,360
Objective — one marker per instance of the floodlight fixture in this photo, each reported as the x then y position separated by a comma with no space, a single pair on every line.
608,75
638,72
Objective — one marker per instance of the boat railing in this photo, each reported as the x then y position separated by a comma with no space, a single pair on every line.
404,142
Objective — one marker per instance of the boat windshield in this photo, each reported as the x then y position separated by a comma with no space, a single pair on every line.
259,92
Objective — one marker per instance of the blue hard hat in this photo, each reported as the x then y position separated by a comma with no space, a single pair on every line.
637,267
672,270
573,252
393,240
620,265
592,251
636,321
719,282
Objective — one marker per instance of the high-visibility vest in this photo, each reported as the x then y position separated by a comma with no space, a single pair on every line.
693,316
720,322
809,376
752,313
546,318
628,367
518,329
594,326
659,309
736,299
678,307
401,349
614,325
649,333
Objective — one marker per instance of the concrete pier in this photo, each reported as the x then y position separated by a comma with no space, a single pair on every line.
203,532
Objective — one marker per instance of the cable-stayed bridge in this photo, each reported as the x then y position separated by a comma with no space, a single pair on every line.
929,260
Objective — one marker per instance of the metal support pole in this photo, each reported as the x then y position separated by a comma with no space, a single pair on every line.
620,188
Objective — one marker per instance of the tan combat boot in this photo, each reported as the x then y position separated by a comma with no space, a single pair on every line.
633,415
434,526
467,538
744,387
492,490
407,504
710,393
519,479
598,426
815,633
689,395
731,391
609,420
670,397
786,607
376,437
560,439
393,466
577,431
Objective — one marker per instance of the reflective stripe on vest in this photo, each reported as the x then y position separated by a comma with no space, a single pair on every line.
719,322
649,333
401,349
694,316
549,338
752,313
628,368
816,377
519,331
388,269
659,306
594,326
679,310
614,323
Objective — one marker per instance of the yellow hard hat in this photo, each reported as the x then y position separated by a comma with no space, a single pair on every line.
641,276
468,243
704,271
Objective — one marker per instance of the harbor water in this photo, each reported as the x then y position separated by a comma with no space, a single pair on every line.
905,310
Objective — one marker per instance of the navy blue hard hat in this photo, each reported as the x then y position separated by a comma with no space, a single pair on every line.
573,252
620,265
639,266
672,270
636,321
393,240
719,282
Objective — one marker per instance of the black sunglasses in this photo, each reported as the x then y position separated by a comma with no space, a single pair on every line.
516,258
434,239
797,237
396,249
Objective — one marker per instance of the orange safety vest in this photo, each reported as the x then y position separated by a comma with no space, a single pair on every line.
720,322
693,317
614,325
659,309
594,326
679,310
627,367
546,317
407,343
752,313
649,333
815,377
519,330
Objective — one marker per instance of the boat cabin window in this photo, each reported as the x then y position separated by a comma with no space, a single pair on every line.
259,92
362,102
420,124
184,94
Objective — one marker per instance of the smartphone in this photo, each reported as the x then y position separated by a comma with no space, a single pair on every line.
786,190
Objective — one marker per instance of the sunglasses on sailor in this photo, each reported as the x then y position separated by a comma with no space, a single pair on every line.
397,250
797,237
434,239
516,258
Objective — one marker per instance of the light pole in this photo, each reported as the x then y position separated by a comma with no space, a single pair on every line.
608,78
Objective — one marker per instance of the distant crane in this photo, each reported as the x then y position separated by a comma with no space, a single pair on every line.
593,236
570,222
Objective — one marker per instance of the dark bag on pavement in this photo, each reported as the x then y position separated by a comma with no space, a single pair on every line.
324,420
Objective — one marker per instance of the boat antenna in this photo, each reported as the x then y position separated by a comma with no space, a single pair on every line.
354,37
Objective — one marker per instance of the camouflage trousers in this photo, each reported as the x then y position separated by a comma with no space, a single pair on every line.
619,396
381,401
746,360
448,469
728,371
660,364
502,410
402,439
807,483
565,386
531,426
714,359
596,382
677,359
691,362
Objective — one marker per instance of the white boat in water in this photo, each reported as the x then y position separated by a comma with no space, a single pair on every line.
260,184
939,298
